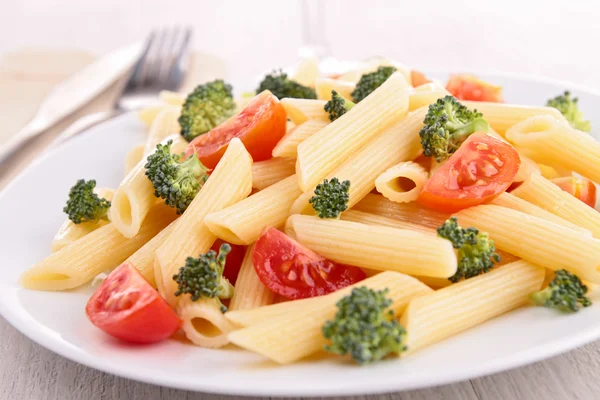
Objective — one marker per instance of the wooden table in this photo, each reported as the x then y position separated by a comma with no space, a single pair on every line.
29,371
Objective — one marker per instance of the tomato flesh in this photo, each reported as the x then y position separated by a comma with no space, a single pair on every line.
469,87
292,270
581,188
418,78
260,125
234,259
480,170
127,307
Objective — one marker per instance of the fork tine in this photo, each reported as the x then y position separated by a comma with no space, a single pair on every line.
169,53
178,65
153,59
135,75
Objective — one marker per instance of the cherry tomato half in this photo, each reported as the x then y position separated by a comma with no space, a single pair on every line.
234,259
418,78
259,126
581,188
127,307
480,170
296,272
469,87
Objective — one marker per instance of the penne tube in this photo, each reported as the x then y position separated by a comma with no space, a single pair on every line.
204,324
553,172
172,98
545,194
164,125
438,315
363,167
302,110
375,247
243,222
502,116
135,195
307,71
143,259
403,182
537,240
324,86
527,168
147,114
265,173
101,250
321,153
509,200
70,232
249,292
548,140
425,95
134,156
288,145
229,182
407,212
297,334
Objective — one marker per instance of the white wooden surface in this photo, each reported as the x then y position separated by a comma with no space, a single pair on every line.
557,39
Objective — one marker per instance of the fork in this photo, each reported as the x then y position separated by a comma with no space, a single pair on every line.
162,66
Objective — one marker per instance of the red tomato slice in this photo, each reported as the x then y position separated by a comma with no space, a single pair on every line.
480,170
260,125
581,188
294,271
234,259
418,78
127,307
469,87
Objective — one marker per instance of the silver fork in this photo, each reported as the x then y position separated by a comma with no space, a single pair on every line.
162,66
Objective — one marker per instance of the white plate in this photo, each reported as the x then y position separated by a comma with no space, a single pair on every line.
30,213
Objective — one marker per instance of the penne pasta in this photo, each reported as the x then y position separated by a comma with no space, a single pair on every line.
438,315
103,249
321,153
204,324
545,194
363,167
147,115
527,168
324,86
134,156
164,125
288,145
375,247
537,240
135,195
249,292
302,110
307,71
70,232
172,98
553,141
265,173
502,116
229,182
425,95
403,182
243,222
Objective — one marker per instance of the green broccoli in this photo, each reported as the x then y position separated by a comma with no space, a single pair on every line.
174,181
371,81
337,106
331,198
364,327
447,125
568,107
565,293
206,107
476,252
84,205
203,276
281,86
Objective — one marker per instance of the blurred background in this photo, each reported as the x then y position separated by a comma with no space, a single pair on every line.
536,37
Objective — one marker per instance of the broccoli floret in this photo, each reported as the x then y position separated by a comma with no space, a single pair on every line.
331,198
447,125
568,107
337,106
364,327
565,293
371,81
206,107
203,276
281,86
174,181
85,205
476,252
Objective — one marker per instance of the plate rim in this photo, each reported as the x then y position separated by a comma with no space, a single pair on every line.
520,359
